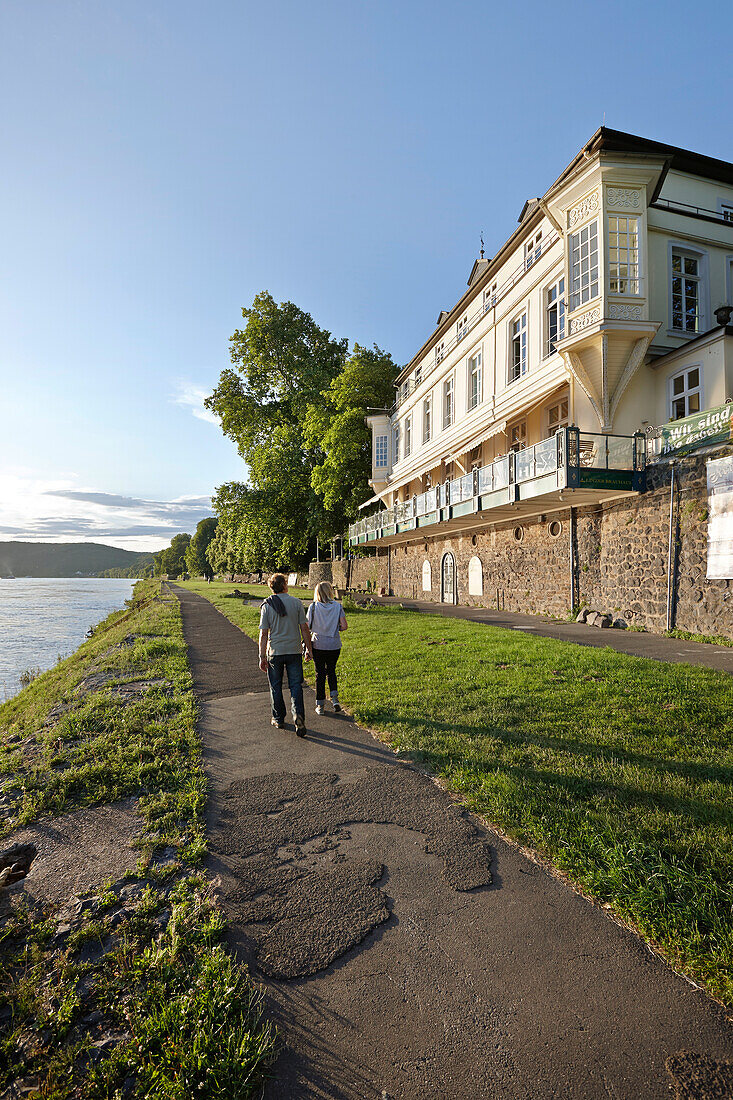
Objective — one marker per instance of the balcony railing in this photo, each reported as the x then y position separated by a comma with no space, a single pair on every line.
569,459
407,388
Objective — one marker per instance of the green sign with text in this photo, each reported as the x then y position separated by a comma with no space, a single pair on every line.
699,430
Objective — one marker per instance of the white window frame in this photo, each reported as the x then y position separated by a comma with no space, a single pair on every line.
490,297
563,398
625,257
418,375
588,287
408,435
725,209
396,443
520,318
449,390
703,281
520,444
381,446
561,306
462,328
427,419
533,250
439,352
687,392
476,358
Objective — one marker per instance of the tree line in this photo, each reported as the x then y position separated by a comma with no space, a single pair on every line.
294,401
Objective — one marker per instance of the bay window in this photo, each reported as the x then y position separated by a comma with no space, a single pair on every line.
584,265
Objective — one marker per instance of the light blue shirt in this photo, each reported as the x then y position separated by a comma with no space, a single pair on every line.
324,619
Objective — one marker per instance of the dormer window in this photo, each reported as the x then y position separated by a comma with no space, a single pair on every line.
533,249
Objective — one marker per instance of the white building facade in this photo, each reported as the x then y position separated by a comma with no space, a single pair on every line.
595,323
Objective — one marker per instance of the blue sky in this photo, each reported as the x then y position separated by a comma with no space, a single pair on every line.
164,161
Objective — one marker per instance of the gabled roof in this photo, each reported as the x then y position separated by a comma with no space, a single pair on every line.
479,266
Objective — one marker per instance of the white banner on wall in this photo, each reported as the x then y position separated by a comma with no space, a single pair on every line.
720,518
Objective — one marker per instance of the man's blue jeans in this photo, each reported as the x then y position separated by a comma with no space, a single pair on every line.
276,666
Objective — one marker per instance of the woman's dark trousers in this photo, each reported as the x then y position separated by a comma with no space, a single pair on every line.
325,662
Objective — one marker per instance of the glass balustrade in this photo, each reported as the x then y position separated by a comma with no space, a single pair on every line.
571,449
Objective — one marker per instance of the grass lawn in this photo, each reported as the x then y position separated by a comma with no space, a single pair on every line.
616,768
176,1015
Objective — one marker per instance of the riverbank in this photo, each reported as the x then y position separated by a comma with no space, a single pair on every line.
114,982
617,770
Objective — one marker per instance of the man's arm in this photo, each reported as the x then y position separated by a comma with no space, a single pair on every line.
305,630
264,635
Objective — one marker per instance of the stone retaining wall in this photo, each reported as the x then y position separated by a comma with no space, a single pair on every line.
621,560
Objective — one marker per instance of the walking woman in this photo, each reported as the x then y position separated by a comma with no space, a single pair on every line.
326,620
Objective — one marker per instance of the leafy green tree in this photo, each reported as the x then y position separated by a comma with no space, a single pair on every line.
197,564
336,426
172,560
281,364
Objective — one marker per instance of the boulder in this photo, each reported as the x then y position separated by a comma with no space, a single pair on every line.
592,618
620,624
604,621
582,615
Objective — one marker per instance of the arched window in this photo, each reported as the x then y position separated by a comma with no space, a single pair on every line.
427,577
475,577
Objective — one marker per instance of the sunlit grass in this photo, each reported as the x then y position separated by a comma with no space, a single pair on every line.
617,768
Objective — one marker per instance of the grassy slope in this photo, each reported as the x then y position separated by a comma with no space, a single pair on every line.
192,1018
616,768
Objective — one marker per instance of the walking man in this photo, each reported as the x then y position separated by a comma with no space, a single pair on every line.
282,626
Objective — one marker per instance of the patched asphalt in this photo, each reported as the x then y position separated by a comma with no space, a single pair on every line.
407,951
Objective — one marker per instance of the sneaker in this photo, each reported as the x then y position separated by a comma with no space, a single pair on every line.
337,708
277,723
319,708
300,726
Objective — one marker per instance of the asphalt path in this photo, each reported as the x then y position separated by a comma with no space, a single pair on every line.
409,952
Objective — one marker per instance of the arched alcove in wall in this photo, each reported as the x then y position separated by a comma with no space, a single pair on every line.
427,577
475,577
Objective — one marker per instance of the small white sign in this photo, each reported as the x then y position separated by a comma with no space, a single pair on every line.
427,579
720,519
292,580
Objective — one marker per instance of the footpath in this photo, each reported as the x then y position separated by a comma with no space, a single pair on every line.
656,647
407,951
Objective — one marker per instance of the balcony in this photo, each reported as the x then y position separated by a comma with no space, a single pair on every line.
569,468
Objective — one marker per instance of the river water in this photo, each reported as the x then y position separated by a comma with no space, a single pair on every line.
42,619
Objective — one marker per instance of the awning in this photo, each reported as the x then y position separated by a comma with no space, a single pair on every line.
486,433
372,500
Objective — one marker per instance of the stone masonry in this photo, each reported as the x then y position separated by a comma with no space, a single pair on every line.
621,560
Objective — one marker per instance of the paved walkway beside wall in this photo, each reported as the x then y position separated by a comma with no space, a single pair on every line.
637,643
409,953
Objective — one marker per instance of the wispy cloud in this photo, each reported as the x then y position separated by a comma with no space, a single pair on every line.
191,396
41,510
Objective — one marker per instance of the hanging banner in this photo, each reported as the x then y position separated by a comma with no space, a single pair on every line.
720,518
703,429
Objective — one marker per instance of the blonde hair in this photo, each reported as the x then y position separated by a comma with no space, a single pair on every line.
323,592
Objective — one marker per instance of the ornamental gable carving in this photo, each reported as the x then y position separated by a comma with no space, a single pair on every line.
624,313
592,317
584,209
623,198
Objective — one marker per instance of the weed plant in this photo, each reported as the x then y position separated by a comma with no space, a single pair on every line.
117,719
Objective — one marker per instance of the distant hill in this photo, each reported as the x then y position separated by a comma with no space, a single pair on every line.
69,559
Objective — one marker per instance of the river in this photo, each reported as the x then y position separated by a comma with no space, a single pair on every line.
43,619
